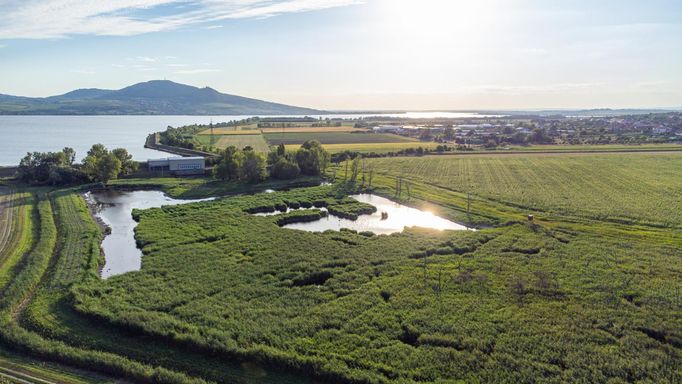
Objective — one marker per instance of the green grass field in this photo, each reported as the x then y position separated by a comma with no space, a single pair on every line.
335,138
379,147
597,148
589,292
629,188
255,141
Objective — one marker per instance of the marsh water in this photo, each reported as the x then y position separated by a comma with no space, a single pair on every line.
122,254
115,210
396,218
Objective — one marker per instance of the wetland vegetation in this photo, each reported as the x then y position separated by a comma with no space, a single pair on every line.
588,291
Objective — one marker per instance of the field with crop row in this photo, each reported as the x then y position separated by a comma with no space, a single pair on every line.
255,141
306,129
312,129
79,241
379,147
29,284
640,188
16,232
335,138
601,148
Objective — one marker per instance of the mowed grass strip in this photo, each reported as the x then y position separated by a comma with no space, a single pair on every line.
335,138
642,188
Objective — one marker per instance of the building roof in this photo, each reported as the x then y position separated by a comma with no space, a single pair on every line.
176,158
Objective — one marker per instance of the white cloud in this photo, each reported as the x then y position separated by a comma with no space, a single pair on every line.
2,46
39,19
146,59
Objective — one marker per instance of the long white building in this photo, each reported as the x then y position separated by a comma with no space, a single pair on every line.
178,165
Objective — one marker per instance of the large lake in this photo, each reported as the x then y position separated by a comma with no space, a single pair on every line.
21,134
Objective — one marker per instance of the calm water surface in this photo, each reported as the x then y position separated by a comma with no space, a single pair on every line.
399,217
21,134
120,250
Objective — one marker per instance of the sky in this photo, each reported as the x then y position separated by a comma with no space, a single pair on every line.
356,54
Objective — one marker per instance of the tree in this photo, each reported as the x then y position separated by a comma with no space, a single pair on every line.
229,166
108,167
128,166
52,168
101,165
97,150
253,167
69,156
284,169
355,168
312,159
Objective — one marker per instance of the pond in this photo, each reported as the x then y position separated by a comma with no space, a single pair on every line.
122,255
390,217
115,208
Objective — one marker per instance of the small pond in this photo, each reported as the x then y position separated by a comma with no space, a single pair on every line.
122,255
115,210
398,217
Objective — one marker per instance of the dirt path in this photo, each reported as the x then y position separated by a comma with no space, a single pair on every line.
21,377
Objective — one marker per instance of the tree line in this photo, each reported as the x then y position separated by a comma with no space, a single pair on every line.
60,168
250,166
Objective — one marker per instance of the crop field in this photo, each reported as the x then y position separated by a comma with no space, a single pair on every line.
16,231
302,129
230,131
589,292
600,148
312,129
627,188
379,147
255,141
335,138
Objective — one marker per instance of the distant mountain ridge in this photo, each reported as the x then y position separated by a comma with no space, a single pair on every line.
156,97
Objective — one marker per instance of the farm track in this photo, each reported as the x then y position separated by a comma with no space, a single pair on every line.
23,378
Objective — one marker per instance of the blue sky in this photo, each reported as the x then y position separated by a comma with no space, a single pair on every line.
355,54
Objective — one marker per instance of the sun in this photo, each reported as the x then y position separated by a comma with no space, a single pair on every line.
436,22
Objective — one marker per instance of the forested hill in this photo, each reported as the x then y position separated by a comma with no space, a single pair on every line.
157,97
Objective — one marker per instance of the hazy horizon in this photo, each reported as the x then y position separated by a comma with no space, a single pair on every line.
356,55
